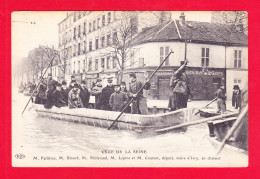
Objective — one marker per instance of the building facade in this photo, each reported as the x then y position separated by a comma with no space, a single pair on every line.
216,52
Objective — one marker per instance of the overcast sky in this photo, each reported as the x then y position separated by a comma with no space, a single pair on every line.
26,36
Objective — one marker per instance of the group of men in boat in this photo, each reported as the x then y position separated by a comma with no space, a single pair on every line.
77,95
116,97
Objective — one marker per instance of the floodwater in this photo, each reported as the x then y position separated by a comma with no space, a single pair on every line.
36,135
44,134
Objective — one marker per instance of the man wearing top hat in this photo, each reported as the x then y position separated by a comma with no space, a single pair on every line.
96,91
118,99
57,97
64,92
72,81
84,94
105,95
139,104
50,91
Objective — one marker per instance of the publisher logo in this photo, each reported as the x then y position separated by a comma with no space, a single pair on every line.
19,156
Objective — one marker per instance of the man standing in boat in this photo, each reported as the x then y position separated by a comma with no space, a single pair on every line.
221,98
124,90
57,97
64,92
139,104
180,88
96,91
118,99
74,99
105,95
84,94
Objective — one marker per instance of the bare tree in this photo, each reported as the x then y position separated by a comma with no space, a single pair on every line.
232,17
123,32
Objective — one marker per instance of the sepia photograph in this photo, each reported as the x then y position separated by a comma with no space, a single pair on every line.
129,88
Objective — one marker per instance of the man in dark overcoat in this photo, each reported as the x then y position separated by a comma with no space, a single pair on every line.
84,94
105,95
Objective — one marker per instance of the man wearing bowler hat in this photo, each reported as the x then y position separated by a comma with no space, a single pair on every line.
139,104
105,95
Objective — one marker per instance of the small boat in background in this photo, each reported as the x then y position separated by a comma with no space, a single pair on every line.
210,112
101,118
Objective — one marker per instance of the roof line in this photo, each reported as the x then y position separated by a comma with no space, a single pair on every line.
160,30
177,29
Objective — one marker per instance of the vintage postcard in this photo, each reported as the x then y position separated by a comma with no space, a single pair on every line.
129,88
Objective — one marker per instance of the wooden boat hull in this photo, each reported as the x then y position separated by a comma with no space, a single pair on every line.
101,118
227,148
221,128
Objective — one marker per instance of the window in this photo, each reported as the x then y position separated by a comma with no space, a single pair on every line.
98,22
102,41
75,50
84,30
89,27
115,38
78,48
84,47
164,51
109,17
96,43
108,39
103,20
84,65
74,17
74,66
79,31
78,66
108,62
96,64
237,59
79,14
90,65
90,46
205,57
74,37
114,62
94,25
102,62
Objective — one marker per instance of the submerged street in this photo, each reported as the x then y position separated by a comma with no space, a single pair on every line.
36,135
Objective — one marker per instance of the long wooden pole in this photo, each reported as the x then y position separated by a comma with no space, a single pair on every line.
233,128
197,122
140,90
39,83
207,104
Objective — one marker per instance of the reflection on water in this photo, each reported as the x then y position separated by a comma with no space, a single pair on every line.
47,135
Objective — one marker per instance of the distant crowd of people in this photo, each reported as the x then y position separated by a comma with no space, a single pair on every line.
113,97
29,87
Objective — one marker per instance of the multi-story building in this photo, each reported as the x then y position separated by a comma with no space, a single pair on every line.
86,39
216,52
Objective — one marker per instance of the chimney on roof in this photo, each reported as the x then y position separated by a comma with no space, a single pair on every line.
240,26
182,18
